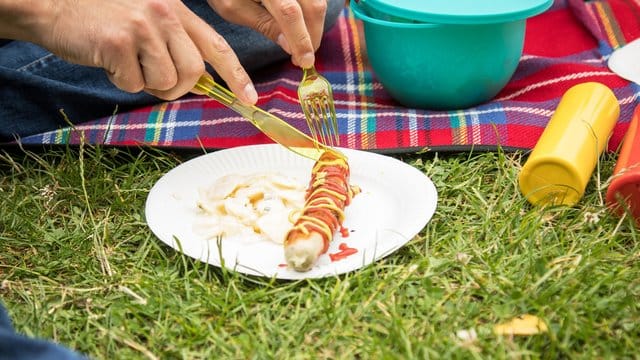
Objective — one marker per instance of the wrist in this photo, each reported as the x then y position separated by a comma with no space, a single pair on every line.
25,20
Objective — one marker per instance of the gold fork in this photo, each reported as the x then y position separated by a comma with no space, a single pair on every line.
277,129
316,100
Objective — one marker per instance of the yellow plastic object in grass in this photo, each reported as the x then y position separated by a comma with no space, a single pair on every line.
521,325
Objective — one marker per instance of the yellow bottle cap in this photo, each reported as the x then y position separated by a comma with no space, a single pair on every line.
560,165
551,181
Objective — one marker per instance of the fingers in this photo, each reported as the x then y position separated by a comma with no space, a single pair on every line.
157,65
314,12
296,26
254,15
289,16
125,72
215,50
171,56
151,51
162,47
171,63
186,61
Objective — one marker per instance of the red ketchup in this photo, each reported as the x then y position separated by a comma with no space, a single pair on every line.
344,232
345,251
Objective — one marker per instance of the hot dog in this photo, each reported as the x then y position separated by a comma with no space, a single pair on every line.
326,197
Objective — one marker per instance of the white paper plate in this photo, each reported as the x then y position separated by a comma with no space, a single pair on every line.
625,61
396,202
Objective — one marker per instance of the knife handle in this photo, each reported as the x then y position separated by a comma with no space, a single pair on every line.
224,96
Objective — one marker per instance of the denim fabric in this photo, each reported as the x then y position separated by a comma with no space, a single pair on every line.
36,85
18,347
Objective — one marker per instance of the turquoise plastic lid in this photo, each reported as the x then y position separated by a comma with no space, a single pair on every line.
459,11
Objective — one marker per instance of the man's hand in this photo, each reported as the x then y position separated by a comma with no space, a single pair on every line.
159,46
297,26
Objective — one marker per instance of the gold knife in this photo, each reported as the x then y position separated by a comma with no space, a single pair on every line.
275,128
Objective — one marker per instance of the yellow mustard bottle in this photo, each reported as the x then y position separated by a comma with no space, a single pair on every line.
559,167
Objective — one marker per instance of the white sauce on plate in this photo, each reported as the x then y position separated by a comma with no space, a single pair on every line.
248,205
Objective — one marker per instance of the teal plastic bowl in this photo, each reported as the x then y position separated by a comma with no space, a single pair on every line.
441,66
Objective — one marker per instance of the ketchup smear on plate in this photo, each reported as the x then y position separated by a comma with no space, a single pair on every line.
345,251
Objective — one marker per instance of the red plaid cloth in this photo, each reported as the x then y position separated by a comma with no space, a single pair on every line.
568,44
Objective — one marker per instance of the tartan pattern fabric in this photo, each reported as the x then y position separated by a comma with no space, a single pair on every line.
568,44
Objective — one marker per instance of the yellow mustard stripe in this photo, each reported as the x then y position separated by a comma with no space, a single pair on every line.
321,201
610,28
333,207
335,162
322,189
321,224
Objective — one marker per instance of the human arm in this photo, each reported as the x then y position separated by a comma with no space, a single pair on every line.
159,46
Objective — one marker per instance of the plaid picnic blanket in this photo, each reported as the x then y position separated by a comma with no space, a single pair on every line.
568,44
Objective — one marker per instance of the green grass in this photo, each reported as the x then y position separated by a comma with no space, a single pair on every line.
78,265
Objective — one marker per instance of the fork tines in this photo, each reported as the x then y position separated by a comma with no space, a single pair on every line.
321,118
316,100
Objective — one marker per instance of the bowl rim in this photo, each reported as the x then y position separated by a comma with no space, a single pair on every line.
366,18
422,12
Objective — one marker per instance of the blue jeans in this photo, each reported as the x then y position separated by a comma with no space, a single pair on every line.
35,84
16,347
